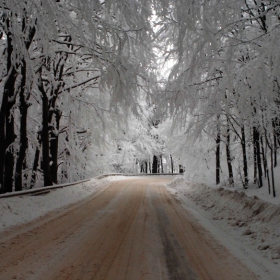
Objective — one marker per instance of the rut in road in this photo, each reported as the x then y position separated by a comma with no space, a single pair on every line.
130,229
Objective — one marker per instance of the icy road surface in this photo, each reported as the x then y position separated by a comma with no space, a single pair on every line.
129,229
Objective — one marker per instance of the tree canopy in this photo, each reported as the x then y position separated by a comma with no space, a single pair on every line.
83,89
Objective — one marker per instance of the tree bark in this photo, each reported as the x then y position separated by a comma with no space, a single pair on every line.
23,107
272,170
257,150
218,144
146,166
10,157
268,181
275,142
36,161
229,161
54,147
7,135
171,164
45,136
264,157
155,165
244,154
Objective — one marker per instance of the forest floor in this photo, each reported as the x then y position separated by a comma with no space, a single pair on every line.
133,228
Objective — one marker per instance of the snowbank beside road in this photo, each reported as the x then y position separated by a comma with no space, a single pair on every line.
249,222
23,209
18,210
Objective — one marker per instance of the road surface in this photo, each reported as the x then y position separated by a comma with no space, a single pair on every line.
131,229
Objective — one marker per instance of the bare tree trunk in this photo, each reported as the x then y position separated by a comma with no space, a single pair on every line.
258,154
141,168
10,138
145,166
36,161
244,154
23,107
171,164
45,136
275,142
229,163
272,171
218,144
155,165
255,157
22,150
54,147
264,157
268,181
7,135
10,156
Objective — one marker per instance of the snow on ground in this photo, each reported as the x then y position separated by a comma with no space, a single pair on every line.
22,209
248,225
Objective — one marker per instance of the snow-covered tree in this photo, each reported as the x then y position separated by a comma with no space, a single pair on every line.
59,57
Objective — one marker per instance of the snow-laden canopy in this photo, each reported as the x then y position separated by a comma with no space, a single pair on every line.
82,88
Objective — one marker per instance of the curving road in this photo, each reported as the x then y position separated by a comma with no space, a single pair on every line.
130,229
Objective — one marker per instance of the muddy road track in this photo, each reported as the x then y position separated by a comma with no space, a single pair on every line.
130,229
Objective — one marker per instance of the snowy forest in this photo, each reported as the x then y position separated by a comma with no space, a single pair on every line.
153,86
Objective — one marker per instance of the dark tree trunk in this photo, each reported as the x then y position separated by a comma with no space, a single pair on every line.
23,147
277,130
255,160
258,154
10,157
54,147
264,157
141,168
10,135
3,140
36,162
275,142
244,153
7,135
272,171
275,150
145,167
155,165
218,144
45,137
255,157
45,144
171,164
23,107
268,181
229,163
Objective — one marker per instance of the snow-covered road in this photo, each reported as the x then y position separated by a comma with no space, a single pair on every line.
126,229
